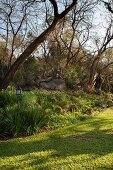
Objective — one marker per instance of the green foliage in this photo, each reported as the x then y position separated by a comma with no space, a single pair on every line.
4,59
7,98
76,75
18,114
33,111
81,146
28,73
71,76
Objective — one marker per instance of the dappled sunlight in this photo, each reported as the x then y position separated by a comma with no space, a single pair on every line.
78,146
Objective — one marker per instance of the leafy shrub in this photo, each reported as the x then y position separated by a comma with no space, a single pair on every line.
20,116
100,103
109,103
76,76
21,121
7,98
32,111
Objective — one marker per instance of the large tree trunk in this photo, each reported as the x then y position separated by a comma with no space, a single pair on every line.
9,76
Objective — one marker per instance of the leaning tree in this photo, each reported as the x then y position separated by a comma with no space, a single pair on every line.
58,14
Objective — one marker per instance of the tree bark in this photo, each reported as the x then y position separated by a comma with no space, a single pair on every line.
21,59
90,87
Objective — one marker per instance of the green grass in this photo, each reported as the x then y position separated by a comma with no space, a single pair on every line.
32,111
85,145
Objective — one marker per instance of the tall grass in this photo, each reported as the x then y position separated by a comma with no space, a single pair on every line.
32,111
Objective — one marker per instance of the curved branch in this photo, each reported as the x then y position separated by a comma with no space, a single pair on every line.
108,6
53,2
28,51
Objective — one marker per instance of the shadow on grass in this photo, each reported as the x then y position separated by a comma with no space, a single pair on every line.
68,143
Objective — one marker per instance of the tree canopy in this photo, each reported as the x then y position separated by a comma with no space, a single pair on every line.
56,32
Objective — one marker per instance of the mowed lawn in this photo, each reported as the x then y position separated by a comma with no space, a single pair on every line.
86,145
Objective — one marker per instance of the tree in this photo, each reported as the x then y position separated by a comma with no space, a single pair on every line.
27,75
95,68
4,58
66,43
33,45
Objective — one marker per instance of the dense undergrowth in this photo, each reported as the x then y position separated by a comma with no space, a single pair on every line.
33,111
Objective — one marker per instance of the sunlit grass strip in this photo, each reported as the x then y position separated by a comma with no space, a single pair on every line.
85,145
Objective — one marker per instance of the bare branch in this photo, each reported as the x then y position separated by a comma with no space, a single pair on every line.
108,6
53,2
